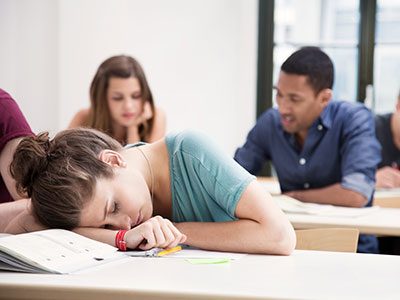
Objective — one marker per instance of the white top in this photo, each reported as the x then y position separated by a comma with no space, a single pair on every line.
303,275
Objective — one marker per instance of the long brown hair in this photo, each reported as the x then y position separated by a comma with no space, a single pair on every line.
121,66
60,175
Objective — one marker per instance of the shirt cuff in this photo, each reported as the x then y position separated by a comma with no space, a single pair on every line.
360,183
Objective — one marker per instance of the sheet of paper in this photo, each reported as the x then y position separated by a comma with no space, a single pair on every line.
205,254
208,261
272,187
387,193
187,253
291,205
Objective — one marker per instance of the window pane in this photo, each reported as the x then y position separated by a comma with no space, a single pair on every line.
329,24
388,21
387,56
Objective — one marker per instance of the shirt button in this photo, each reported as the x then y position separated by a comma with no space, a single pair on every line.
302,161
306,185
319,127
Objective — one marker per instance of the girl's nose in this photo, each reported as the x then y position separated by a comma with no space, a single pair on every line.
128,103
124,222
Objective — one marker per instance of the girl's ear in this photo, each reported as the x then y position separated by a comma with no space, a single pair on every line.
112,158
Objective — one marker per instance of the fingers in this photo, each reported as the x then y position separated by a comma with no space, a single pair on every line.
147,112
155,232
388,177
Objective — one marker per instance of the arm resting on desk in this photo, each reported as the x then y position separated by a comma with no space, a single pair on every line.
262,227
334,194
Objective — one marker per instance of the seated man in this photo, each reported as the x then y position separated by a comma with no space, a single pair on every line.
387,127
323,151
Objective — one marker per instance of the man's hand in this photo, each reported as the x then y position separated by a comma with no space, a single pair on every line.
387,177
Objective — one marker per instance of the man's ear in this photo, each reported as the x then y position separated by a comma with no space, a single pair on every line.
112,158
325,96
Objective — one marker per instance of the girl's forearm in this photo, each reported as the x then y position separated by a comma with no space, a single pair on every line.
238,236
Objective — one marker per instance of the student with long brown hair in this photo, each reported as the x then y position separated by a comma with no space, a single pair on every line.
121,103
180,189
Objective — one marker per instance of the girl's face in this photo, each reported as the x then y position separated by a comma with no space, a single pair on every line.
121,202
124,99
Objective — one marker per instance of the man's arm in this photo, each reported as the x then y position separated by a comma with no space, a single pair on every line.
360,154
253,154
333,194
262,227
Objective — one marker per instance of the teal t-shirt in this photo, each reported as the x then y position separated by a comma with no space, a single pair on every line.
206,184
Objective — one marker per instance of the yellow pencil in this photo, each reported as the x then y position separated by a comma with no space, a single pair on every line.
169,251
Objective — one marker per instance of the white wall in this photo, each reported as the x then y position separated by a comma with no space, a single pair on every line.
199,57
28,59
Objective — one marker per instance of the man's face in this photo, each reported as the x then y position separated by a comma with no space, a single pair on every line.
299,105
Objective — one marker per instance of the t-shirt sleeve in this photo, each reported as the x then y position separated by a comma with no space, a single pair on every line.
12,122
220,176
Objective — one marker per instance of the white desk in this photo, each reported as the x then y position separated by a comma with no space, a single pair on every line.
304,275
387,197
384,221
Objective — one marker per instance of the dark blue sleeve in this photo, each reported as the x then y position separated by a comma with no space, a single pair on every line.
253,154
360,152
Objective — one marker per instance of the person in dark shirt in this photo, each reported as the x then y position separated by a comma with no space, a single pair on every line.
323,151
13,127
387,127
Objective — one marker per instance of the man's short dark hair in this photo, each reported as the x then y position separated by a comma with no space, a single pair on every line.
315,64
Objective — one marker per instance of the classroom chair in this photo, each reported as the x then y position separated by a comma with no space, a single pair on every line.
387,202
327,239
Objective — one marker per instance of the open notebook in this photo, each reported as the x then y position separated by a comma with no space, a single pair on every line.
62,252
291,205
53,251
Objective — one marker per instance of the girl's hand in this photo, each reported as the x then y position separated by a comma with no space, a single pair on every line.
145,115
155,232
133,130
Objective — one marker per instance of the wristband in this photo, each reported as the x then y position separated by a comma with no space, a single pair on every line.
120,243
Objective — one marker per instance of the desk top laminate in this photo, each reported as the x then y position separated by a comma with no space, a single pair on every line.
303,275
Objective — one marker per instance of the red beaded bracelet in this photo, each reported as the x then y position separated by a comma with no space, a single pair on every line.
119,240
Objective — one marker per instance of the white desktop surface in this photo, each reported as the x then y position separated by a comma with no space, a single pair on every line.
384,221
303,275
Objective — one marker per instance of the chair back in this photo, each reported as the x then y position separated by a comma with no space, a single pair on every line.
328,239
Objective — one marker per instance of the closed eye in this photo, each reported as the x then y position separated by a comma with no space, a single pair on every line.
136,96
115,208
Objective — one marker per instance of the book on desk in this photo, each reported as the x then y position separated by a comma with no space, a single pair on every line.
53,251
61,251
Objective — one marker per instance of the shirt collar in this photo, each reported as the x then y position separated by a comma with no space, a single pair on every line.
326,117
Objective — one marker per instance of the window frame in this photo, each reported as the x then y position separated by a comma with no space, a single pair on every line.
266,43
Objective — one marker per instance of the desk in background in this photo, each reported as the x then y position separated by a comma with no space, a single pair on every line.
303,275
382,197
387,198
383,221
